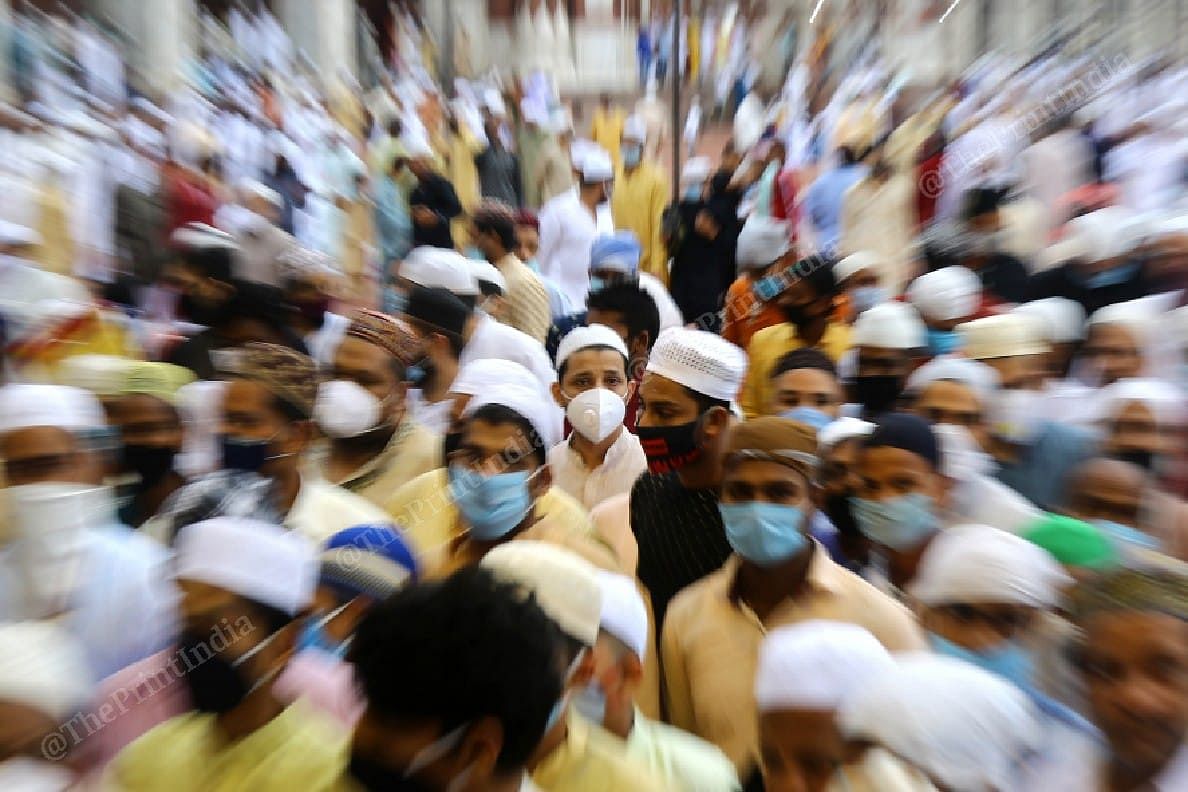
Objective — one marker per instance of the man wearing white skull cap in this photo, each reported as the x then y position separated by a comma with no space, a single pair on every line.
574,754
497,475
600,458
1034,454
964,728
805,671
570,222
1064,324
245,587
67,555
608,700
945,298
888,340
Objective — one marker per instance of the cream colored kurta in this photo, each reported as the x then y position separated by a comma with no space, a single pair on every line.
881,219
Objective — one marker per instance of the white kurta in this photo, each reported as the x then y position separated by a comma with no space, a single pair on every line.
492,340
1054,167
567,231
623,464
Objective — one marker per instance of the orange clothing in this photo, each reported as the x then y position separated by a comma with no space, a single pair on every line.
745,315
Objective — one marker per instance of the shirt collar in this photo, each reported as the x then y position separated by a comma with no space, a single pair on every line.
824,576
375,467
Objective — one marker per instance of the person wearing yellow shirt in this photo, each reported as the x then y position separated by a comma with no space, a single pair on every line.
639,198
804,291
606,128
246,586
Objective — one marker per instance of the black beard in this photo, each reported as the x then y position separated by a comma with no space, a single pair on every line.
370,442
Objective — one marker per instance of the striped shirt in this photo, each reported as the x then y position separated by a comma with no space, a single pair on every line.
527,299
680,535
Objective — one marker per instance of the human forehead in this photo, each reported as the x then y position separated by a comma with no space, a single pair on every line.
657,388
490,439
1132,632
355,353
806,380
868,354
887,461
760,471
594,361
242,394
1111,336
37,441
948,393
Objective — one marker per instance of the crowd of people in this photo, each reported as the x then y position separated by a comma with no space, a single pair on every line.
423,438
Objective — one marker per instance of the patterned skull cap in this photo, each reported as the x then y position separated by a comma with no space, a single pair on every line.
492,209
392,335
286,373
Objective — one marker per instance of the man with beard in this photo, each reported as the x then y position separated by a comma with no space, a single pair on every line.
889,342
375,445
804,291
1134,661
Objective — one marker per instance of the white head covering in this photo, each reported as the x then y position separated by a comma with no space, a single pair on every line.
200,404
102,375
263,191
200,236
761,241
254,559
701,361
1003,335
440,268
15,235
1103,234
417,146
593,335
979,377
486,272
578,149
1168,404
480,376
43,667
856,262
813,665
597,167
977,563
1064,319
1136,315
564,584
842,429
890,325
635,129
945,294
696,171
526,401
965,727
624,614
26,404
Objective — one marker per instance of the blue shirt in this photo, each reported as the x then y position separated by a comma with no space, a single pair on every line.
1043,467
823,202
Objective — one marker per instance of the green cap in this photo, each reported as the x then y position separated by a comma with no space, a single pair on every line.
1073,542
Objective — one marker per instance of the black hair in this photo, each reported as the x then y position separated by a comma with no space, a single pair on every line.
209,262
636,306
503,224
500,414
459,649
395,127
597,347
274,618
705,403
804,358
847,155
488,289
980,201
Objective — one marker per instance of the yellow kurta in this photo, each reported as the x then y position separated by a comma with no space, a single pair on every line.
424,509
56,251
461,172
765,350
637,204
710,647
298,749
586,763
606,129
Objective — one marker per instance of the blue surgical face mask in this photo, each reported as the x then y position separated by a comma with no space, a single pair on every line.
492,505
632,155
1008,660
394,302
808,415
763,533
474,254
943,342
693,193
863,298
533,265
597,285
1113,276
314,636
900,523
591,703
1126,538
